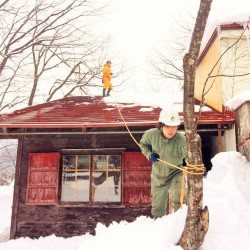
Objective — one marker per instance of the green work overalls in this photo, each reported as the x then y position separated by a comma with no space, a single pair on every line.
164,178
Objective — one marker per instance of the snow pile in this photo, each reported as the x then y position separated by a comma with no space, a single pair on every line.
141,234
6,193
226,193
44,243
237,100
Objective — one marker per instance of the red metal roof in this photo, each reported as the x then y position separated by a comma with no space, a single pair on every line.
85,112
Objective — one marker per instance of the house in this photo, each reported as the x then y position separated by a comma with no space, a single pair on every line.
77,164
223,71
243,129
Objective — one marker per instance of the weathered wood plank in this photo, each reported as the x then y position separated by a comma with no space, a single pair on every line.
35,221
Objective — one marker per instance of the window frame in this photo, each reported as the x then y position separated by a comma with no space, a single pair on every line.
91,153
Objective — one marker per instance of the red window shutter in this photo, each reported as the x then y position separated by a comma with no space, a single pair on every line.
43,175
136,179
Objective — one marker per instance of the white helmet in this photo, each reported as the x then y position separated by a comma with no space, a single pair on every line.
169,117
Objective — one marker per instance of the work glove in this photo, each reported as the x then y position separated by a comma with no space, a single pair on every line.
153,157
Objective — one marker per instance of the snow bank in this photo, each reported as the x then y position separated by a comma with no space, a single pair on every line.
145,233
226,192
6,193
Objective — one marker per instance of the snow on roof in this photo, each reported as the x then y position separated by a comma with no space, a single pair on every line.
238,100
71,112
241,18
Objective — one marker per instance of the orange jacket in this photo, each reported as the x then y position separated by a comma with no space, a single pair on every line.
106,76
106,71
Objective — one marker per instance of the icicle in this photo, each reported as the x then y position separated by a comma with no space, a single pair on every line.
219,31
219,35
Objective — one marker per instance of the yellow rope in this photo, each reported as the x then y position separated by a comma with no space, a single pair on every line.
197,169
182,189
127,127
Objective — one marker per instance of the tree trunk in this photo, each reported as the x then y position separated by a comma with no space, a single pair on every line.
197,218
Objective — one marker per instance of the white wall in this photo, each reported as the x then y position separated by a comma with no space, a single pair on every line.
229,140
235,62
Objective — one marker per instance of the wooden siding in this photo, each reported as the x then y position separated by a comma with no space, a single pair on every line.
15,204
63,219
39,221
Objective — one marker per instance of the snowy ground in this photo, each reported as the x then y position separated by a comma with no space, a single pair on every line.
226,192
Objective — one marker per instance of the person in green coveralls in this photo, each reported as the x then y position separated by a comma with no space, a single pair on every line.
165,143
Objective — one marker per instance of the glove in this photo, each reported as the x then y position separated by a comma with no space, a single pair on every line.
153,157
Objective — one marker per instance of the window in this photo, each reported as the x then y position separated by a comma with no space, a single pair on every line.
91,178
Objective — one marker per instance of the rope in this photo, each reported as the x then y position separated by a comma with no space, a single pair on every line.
128,128
197,169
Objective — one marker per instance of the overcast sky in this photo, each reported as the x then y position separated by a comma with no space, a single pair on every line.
138,27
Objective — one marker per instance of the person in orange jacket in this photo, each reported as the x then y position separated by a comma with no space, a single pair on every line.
106,78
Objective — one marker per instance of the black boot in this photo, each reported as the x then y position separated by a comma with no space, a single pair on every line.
108,93
103,92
